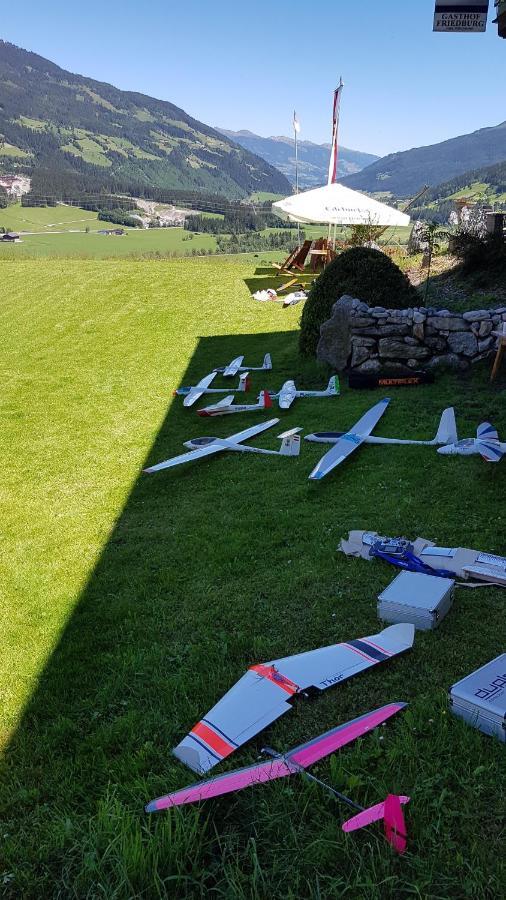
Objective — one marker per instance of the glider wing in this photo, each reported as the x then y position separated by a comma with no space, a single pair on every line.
349,441
216,446
265,692
198,390
233,367
279,767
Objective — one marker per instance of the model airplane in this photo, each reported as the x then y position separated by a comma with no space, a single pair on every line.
207,446
192,394
226,406
287,394
236,366
346,442
486,443
296,761
267,690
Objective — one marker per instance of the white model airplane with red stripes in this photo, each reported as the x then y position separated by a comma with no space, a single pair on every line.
207,446
236,366
267,691
226,406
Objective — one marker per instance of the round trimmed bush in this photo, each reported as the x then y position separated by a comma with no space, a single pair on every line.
360,272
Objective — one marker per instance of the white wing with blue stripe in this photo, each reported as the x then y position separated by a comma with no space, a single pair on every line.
350,441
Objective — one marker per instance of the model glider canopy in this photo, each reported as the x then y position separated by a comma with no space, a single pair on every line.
265,692
200,447
336,204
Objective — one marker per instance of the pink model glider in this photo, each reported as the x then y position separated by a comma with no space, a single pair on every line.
296,761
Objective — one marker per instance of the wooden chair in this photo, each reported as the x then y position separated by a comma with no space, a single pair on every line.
296,259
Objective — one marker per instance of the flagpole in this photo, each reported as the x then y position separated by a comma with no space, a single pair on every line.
296,168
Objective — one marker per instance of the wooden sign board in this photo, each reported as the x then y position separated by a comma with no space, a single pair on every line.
460,15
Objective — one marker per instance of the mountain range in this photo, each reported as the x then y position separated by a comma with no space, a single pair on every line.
403,174
313,158
68,130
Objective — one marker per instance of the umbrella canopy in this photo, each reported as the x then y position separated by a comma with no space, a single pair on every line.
336,204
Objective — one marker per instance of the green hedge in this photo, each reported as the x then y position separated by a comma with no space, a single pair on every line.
361,272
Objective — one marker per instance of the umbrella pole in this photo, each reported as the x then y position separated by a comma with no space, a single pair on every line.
296,173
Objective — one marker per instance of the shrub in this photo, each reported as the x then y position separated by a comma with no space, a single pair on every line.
477,253
361,272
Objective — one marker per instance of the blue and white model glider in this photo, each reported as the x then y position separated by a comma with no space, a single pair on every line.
287,394
346,442
236,366
486,443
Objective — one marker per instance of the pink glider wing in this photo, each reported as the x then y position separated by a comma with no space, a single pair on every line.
332,740
292,762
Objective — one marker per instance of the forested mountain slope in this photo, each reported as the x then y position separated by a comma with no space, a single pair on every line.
62,127
403,174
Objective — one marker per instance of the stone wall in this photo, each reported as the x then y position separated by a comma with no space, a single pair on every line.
371,338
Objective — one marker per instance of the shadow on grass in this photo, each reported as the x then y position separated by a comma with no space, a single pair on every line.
111,701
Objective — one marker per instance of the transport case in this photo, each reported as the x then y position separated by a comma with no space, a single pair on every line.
480,698
420,599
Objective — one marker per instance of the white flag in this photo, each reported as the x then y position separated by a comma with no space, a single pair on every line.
296,123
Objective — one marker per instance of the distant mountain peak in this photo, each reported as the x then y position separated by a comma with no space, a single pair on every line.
278,150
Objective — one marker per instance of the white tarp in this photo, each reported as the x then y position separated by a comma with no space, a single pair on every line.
336,204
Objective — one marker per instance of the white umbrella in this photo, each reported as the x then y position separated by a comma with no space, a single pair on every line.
336,204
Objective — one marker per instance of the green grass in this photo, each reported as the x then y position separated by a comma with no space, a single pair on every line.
11,150
131,603
49,218
136,241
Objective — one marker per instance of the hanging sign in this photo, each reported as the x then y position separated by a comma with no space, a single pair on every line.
460,15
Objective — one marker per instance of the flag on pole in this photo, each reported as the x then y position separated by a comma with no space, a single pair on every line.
335,127
296,123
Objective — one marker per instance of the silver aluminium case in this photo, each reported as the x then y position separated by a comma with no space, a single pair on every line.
480,698
422,600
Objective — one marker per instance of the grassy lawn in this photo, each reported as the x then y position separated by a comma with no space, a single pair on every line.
131,603
48,218
136,241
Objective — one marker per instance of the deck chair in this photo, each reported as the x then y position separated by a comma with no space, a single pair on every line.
296,259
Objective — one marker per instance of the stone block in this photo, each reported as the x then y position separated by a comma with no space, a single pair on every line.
359,355
418,331
419,316
447,361
388,347
463,342
485,329
474,315
446,323
435,343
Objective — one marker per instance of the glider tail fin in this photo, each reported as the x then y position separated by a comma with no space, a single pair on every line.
244,382
290,442
333,386
267,361
390,811
447,431
265,400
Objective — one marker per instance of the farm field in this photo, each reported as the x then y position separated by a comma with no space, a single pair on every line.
131,603
48,218
136,241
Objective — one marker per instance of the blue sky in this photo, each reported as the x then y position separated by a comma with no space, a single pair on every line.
248,65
